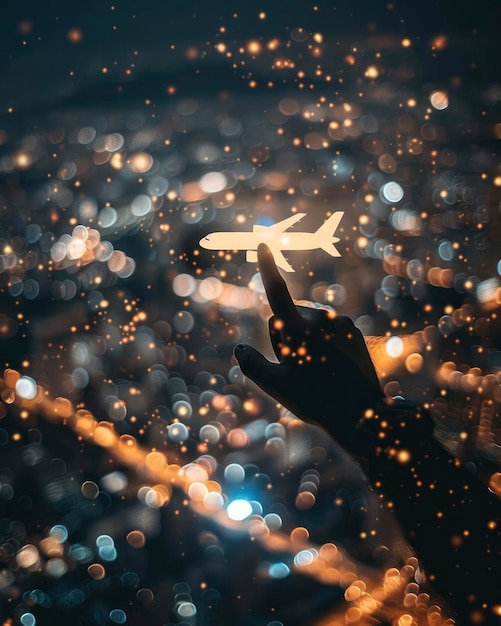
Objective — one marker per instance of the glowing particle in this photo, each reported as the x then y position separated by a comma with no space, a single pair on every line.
187,609
213,501
107,217
238,438
300,535
104,435
183,322
254,47
28,619
74,35
59,532
234,473
108,553
371,72
256,283
439,100
495,483
299,34
182,409
210,288
391,192
178,432
305,557
154,497
89,490
136,539
56,567
86,135
25,27
352,593
279,570
394,347
117,409
403,456
183,285
81,553
113,142
140,162
156,461
446,325
414,362
439,42
22,160
213,182
273,521
104,540
210,434
114,482
117,261
239,510
197,491
26,388
96,571
335,294
446,250
141,205
117,616
274,430
28,557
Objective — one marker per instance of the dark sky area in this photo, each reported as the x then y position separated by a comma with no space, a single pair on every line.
50,51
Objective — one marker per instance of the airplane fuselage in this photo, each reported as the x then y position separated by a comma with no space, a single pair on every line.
251,240
278,238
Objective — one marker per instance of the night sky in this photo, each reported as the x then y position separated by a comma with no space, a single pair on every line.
51,51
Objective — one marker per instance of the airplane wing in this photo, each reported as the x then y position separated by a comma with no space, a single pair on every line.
280,260
287,223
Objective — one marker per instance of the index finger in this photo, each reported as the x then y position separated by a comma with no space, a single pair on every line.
279,297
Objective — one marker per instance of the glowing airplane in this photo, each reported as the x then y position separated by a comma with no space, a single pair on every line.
276,237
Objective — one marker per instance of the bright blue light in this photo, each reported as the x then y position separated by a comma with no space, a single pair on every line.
279,570
238,510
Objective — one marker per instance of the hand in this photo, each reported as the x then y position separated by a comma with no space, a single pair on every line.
324,372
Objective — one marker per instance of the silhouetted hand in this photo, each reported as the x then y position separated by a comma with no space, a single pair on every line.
324,373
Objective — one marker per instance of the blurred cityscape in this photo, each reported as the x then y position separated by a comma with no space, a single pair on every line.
143,479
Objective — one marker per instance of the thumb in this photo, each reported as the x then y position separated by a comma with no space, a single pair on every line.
256,366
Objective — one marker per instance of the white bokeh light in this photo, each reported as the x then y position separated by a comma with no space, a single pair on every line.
238,510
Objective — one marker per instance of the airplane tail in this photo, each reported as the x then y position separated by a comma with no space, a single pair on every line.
325,233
